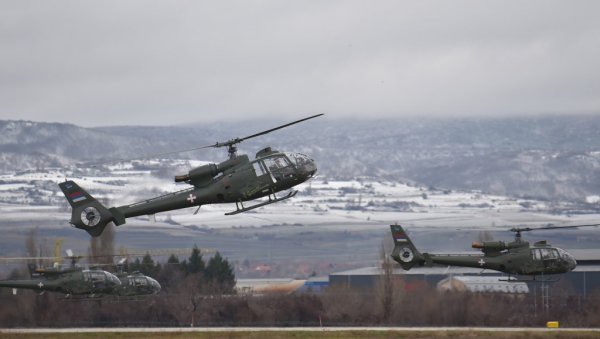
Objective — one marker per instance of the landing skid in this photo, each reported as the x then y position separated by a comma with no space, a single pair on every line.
272,199
84,297
532,280
104,298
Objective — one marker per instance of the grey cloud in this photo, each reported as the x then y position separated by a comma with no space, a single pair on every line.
162,63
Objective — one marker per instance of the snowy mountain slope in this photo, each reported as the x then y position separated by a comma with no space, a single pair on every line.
553,158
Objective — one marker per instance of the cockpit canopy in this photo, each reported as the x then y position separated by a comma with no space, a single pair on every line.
552,253
97,276
299,159
144,282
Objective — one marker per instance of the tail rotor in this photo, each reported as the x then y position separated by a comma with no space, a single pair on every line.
405,253
87,213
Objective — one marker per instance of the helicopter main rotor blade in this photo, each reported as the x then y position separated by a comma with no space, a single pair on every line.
215,145
276,128
527,229
147,156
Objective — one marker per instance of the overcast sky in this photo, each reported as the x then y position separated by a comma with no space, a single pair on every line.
174,62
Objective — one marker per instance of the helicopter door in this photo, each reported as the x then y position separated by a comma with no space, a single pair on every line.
262,173
258,169
98,279
550,257
538,262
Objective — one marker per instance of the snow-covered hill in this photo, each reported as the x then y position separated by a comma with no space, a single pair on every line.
550,158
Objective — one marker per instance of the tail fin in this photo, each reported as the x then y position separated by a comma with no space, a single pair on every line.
87,213
405,253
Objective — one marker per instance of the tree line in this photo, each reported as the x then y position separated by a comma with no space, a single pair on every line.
184,303
199,292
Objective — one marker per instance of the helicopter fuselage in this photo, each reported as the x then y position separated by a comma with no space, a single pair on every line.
235,180
137,284
240,180
521,261
69,282
517,257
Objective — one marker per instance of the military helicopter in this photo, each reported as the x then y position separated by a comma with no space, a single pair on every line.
78,283
235,180
136,284
514,258
72,282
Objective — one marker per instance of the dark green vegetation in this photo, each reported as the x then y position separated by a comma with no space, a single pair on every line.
201,292
185,285
196,293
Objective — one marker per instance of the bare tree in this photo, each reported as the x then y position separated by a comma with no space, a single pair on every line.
103,247
31,245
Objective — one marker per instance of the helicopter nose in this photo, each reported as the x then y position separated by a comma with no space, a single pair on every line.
155,286
311,168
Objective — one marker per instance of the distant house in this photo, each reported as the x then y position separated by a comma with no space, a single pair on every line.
263,268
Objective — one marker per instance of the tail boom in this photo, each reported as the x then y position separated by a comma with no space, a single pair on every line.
405,253
87,213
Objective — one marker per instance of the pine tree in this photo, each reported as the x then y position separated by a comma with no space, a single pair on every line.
147,266
173,259
220,273
196,263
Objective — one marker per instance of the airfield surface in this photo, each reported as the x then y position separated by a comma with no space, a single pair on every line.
304,332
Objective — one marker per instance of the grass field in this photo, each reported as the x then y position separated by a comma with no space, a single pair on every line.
316,334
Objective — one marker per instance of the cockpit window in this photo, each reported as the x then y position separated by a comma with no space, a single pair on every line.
258,169
276,163
549,253
279,166
563,254
298,159
138,281
97,276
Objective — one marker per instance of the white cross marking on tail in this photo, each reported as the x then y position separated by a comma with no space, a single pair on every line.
191,198
41,284
481,262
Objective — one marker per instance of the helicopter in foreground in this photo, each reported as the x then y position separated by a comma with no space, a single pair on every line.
514,258
235,180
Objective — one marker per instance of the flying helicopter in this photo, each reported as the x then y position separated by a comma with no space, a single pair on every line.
514,258
235,180
78,283
72,282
